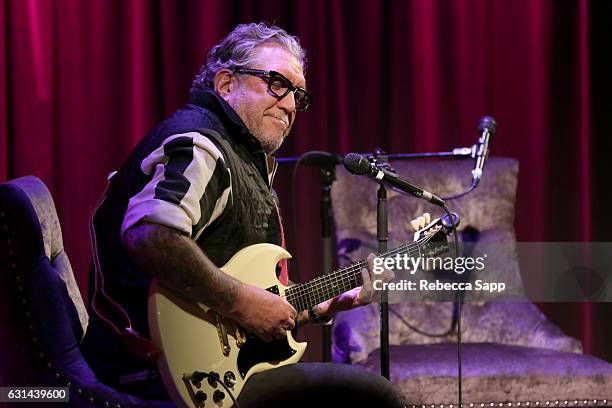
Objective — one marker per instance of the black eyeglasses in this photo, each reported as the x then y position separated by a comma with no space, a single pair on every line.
279,86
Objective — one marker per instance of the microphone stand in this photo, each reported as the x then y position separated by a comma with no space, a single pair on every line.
382,235
328,176
378,159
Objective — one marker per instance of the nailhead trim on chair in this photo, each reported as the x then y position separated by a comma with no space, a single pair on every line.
556,403
59,376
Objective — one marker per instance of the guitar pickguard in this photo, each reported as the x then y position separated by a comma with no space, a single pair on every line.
256,351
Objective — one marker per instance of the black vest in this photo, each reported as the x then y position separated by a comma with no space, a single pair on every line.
251,218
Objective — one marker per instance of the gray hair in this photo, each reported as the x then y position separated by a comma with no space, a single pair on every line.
238,50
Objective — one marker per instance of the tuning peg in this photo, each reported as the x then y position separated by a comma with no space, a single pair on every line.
420,222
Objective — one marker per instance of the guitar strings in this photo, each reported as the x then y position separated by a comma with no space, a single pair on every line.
325,287
346,273
319,287
343,276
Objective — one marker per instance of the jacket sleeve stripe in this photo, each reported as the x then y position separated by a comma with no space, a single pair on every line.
175,185
182,169
215,197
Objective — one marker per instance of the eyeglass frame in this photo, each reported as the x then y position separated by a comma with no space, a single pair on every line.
260,73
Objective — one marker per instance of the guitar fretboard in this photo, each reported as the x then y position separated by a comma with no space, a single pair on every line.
306,295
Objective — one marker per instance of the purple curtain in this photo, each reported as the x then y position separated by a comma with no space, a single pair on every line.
82,81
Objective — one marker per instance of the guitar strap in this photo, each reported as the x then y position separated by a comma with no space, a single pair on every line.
132,340
284,274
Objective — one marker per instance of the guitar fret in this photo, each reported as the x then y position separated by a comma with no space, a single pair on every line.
319,292
328,287
331,286
311,295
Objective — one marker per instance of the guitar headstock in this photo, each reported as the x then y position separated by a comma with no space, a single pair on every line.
431,235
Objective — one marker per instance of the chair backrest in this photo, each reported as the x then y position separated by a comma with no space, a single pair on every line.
45,318
37,267
487,215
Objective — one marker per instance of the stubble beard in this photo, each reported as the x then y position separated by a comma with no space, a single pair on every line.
254,123
269,143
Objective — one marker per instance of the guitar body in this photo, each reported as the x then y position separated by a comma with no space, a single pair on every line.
193,338
196,342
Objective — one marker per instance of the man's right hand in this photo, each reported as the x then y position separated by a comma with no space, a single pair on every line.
267,315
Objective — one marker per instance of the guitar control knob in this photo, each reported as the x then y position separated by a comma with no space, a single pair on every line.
200,397
213,379
218,396
229,379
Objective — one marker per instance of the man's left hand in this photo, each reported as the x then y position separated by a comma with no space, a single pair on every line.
358,296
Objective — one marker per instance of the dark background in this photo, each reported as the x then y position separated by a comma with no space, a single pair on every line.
82,81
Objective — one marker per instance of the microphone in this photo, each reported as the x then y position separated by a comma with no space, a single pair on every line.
486,128
359,165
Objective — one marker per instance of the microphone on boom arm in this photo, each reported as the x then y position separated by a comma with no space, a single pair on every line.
359,165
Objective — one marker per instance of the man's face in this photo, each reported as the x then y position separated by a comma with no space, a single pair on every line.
267,118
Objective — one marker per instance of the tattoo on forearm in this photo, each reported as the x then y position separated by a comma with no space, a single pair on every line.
181,265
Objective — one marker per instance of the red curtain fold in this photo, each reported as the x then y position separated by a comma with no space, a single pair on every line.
82,81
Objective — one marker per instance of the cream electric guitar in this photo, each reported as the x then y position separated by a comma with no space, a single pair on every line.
205,356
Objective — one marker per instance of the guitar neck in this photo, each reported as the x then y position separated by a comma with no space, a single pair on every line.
303,296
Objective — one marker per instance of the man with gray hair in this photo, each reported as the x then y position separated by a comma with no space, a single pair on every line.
196,190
